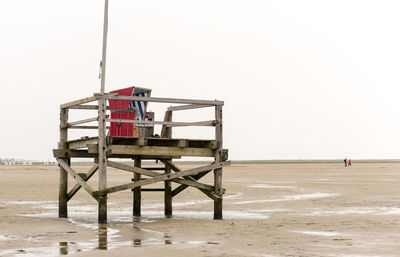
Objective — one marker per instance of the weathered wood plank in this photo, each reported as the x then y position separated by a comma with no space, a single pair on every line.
81,121
153,189
84,107
164,100
78,102
166,132
183,187
187,107
162,178
209,193
154,150
81,143
68,153
77,178
153,174
88,175
208,123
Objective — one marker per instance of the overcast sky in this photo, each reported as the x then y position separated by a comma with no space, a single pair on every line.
300,79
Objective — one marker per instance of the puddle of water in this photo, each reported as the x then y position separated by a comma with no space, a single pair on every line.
290,198
318,233
271,186
3,237
188,203
359,210
358,255
268,210
28,202
183,214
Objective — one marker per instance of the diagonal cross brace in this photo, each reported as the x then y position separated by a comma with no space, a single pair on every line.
77,178
209,193
183,187
153,174
88,175
160,178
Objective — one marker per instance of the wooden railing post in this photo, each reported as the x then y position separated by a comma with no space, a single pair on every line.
137,191
63,187
102,218
218,159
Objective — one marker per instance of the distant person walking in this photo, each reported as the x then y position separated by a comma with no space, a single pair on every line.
349,162
345,162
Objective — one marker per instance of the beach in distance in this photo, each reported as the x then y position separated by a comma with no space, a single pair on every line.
271,208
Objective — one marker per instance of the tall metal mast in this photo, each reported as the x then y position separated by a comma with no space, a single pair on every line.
104,54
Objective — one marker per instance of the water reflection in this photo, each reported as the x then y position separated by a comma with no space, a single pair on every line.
137,242
102,237
63,248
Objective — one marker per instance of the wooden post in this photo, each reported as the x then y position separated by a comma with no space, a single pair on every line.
167,184
167,195
166,132
102,218
137,191
218,158
63,187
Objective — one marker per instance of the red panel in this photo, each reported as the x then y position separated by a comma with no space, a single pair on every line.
121,129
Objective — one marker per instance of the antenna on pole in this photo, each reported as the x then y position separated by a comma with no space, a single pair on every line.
104,54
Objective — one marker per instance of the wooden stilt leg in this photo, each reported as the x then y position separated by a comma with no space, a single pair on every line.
103,209
218,191
218,158
167,195
63,187
137,193
102,218
63,194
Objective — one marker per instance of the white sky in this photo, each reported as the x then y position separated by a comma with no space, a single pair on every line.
300,79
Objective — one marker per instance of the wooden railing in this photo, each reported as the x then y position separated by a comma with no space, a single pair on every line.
186,104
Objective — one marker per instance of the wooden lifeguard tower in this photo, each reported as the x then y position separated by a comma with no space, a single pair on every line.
128,133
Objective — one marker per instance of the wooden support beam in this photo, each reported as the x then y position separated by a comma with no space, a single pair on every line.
187,107
78,102
154,150
152,189
77,178
209,193
102,151
218,158
63,183
154,174
153,168
167,194
183,187
67,153
85,178
137,195
162,178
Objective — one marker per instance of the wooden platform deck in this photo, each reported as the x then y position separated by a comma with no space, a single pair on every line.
151,147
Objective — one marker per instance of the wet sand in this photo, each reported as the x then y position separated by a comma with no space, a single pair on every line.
269,210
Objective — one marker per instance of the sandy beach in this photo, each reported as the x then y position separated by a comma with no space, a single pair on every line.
317,209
